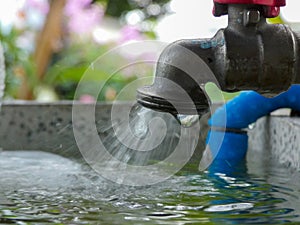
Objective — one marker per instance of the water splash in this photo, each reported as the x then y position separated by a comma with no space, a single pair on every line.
144,148
143,124
2,75
139,147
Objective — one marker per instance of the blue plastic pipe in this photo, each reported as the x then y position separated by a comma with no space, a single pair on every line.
238,114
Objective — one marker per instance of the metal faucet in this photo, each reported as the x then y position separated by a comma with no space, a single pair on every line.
249,54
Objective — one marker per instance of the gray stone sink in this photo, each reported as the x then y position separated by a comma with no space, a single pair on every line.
48,127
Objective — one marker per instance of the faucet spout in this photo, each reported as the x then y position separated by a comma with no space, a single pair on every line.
249,54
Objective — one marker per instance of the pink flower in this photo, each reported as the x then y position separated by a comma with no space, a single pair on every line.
87,99
40,5
72,6
83,16
130,33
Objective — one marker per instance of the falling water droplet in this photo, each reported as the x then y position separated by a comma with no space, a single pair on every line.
251,126
187,120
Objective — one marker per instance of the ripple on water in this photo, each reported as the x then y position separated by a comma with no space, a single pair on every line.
229,207
42,188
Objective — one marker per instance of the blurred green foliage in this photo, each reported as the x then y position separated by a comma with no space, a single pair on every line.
69,64
12,55
17,62
116,8
73,63
218,96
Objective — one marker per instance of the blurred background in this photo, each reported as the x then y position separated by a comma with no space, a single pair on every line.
49,44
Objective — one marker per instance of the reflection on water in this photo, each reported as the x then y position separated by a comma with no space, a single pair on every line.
40,188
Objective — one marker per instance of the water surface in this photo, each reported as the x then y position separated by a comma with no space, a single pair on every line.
42,188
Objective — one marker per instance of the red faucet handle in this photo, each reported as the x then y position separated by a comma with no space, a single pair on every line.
277,3
271,7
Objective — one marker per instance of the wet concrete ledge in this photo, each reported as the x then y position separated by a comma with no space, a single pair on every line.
49,127
29,125
277,137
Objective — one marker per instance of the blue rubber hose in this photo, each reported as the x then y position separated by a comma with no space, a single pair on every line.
250,106
230,153
238,114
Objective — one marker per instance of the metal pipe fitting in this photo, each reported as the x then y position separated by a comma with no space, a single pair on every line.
249,54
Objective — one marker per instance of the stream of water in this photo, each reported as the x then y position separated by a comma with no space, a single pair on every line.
148,136
144,149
